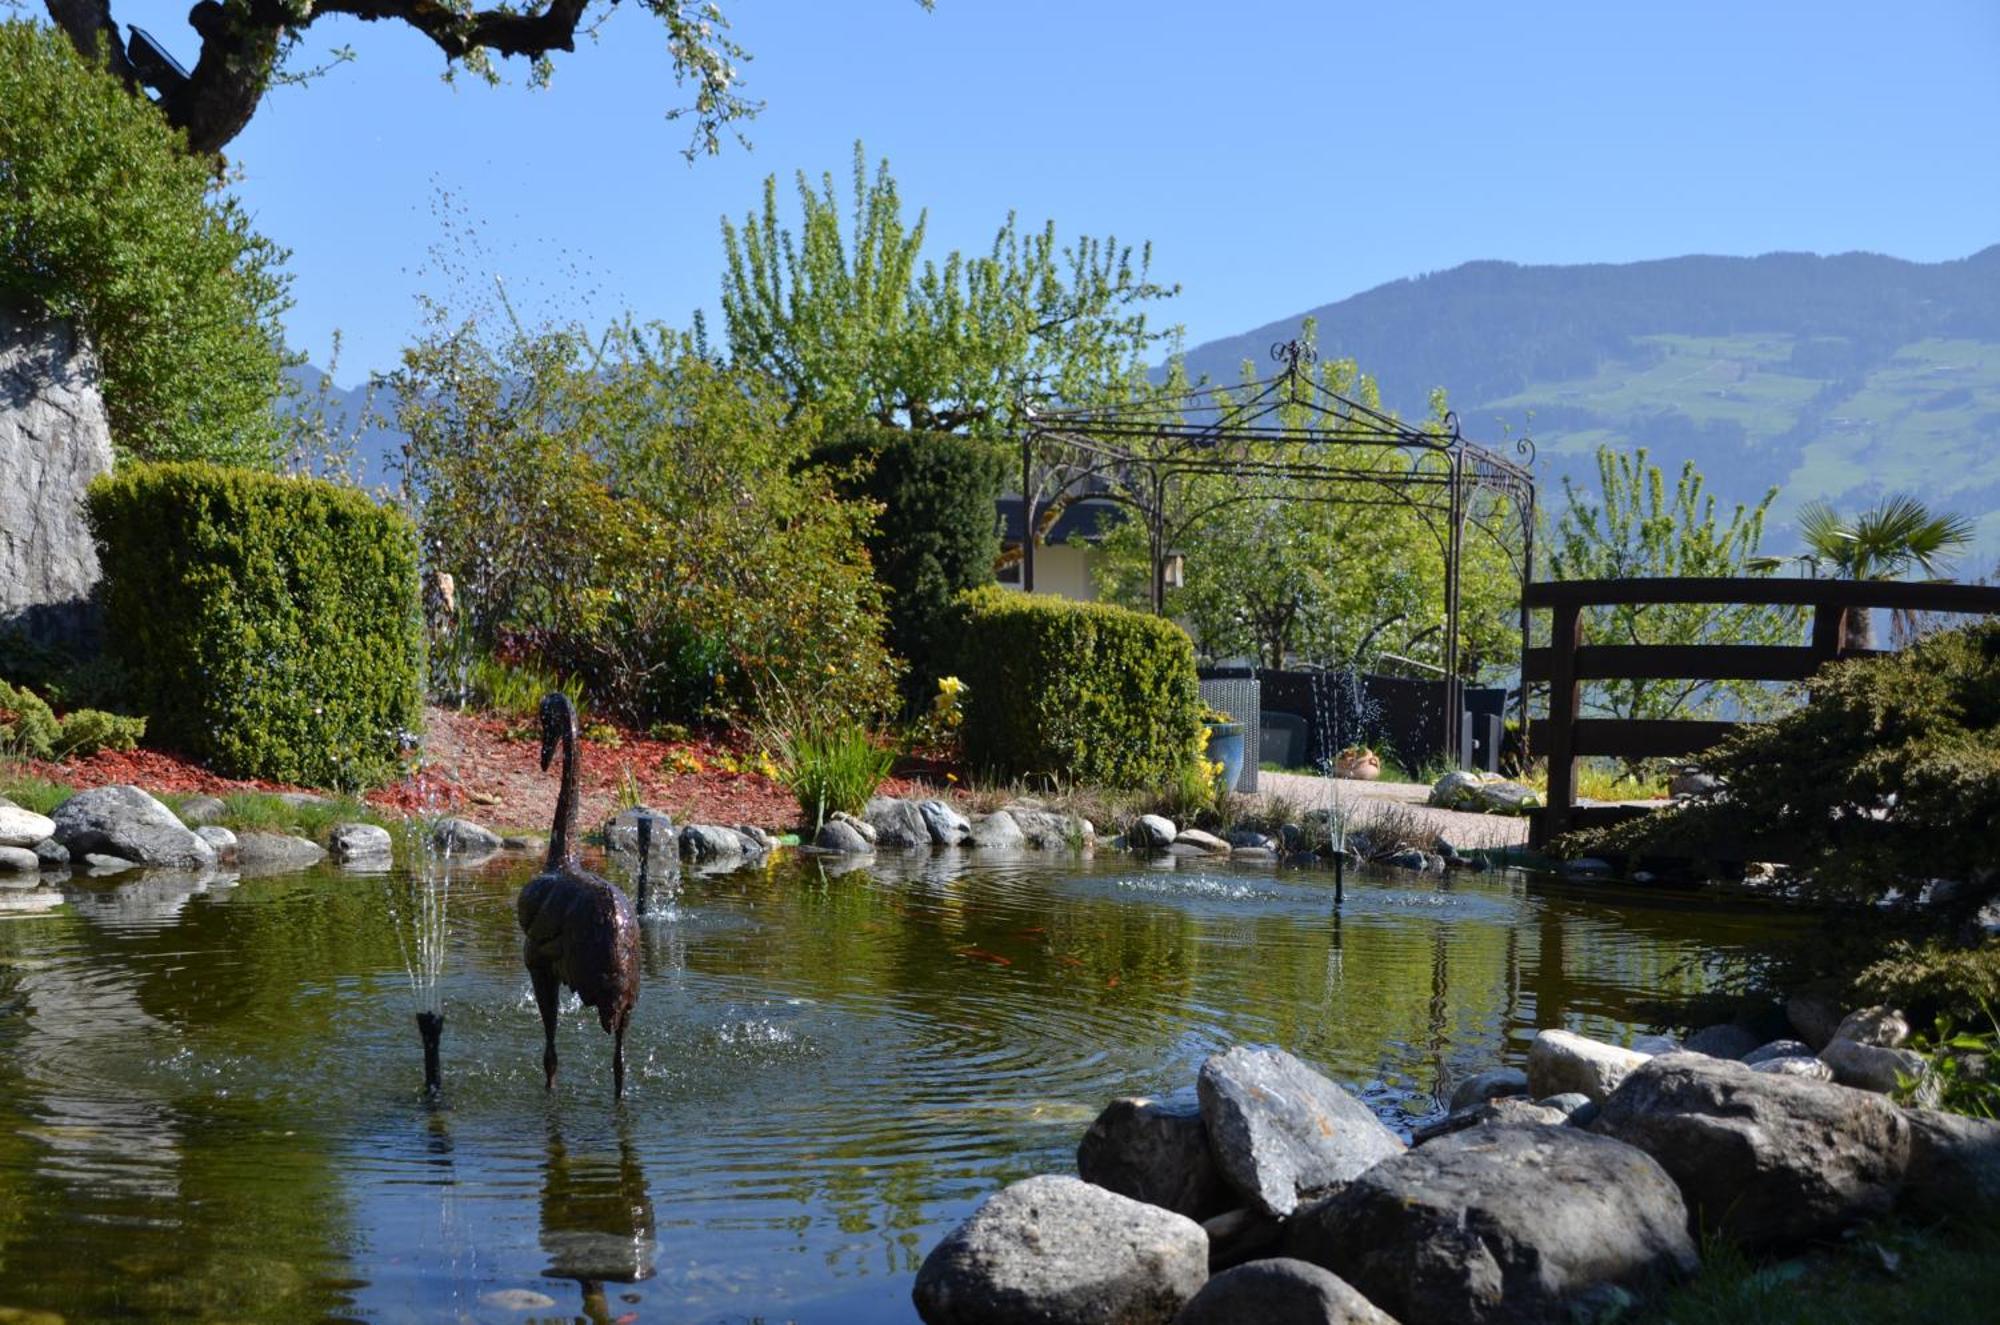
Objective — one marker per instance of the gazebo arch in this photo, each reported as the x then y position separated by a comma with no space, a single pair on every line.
1293,428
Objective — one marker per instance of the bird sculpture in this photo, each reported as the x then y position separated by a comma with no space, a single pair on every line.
580,929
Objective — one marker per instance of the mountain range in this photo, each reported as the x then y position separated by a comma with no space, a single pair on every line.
1843,377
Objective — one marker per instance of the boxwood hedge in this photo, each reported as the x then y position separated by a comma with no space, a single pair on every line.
270,625
1083,692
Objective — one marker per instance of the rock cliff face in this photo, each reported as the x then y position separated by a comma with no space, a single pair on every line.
54,438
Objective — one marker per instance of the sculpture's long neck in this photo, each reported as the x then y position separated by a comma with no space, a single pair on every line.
562,835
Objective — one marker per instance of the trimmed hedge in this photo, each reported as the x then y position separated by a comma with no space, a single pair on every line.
938,534
270,625
1084,692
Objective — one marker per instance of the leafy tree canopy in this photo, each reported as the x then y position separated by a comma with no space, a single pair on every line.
851,323
1635,527
247,45
104,220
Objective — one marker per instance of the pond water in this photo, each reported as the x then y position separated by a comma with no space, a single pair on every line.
211,1107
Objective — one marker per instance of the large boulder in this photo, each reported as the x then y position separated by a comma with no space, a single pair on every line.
221,839
1280,1291
462,837
359,841
1203,843
1047,830
998,832
1815,1016
947,827
1488,1085
710,844
125,823
621,830
1879,1027
20,861
1156,1151
1869,1066
899,824
1151,832
1501,1223
1765,1159
54,439
842,836
1561,1061
1056,1250
24,828
1954,1166
1482,793
276,853
1517,1110
1279,1129
1764,1053
1794,1065
1723,1041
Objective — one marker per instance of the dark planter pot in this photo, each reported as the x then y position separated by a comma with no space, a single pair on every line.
1225,747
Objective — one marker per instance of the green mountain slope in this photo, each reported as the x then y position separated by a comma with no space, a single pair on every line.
1838,377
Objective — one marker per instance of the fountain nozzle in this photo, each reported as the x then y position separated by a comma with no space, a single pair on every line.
430,1025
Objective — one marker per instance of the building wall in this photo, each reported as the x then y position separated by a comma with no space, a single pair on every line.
1064,570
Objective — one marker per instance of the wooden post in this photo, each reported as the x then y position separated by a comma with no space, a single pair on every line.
1565,696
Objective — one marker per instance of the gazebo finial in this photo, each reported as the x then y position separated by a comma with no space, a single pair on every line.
1294,354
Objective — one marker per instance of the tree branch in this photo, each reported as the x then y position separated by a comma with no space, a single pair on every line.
88,25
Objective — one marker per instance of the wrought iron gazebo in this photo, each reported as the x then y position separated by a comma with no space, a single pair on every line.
1319,445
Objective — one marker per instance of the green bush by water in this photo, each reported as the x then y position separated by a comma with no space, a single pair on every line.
269,625
1075,692
29,728
832,767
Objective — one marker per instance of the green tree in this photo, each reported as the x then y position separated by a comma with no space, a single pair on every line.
851,324
247,45
105,221
1890,539
1638,528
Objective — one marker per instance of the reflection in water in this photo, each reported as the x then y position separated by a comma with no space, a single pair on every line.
597,1219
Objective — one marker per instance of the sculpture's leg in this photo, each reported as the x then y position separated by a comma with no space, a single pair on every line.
618,1054
545,998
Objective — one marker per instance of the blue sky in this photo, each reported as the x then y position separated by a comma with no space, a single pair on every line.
1278,156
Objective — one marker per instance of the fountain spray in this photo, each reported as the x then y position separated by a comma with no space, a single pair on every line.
419,904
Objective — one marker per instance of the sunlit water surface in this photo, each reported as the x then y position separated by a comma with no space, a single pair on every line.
210,1102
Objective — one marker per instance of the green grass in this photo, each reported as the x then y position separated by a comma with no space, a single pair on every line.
32,793
1882,1275
244,811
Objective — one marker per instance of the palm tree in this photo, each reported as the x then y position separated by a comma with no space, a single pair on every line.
1885,542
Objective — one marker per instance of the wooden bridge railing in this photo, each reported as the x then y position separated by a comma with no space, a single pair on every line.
1565,735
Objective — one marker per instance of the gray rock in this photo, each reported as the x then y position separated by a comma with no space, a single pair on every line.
1280,1291
23,828
359,841
621,830
997,832
54,439
1954,1168
127,823
710,842
1654,1045
1561,1061
1805,1066
1509,1109
1060,1251
1724,1041
1693,782
1279,1129
1577,1109
1502,1223
52,854
19,860
1488,1085
1409,858
276,852
948,828
1253,855
1884,1028
1586,867
221,839
1240,838
530,843
838,835
1814,1018
462,837
1763,1053
1870,1067
97,863
899,824
1765,1159
1204,842
858,824
198,810
1156,1151
756,842
304,799
1046,830
1151,832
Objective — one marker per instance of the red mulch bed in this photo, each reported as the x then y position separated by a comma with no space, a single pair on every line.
487,769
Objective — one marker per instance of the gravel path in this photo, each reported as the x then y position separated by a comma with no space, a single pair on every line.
1465,831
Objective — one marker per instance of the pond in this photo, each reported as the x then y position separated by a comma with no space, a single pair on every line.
211,1106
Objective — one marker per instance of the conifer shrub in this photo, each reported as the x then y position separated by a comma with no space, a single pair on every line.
269,625
30,729
937,534
1075,692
